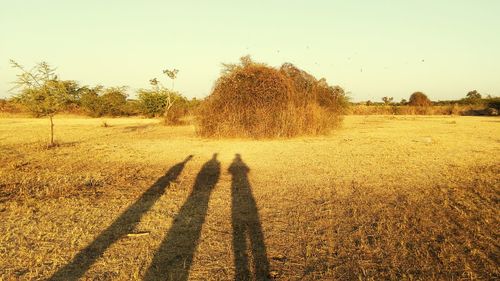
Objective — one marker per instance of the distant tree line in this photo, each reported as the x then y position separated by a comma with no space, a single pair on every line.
421,99
42,93
418,103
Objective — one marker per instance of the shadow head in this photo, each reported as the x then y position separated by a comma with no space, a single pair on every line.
188,158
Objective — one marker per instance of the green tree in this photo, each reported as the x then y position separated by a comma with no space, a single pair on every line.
41,91
114,100
99,101
473,97
387,100
90,100
172,74
160,96
132,107
152,102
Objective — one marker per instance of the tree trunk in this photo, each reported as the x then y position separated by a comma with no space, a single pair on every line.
167,110
51,131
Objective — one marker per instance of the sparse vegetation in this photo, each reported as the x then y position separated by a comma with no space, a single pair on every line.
319,160
400,197
356,218
387,100
160,101
41,92
472,105
449,109
179,109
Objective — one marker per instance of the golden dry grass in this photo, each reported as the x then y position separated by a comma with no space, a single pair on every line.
402,198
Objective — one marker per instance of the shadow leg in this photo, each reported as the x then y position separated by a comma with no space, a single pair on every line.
125,223
175,255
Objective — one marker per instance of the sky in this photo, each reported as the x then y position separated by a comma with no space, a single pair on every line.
372,49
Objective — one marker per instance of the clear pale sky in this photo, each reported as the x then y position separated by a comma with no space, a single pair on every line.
370,48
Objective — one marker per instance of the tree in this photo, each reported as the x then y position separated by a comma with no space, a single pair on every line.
473,97
172,74
41,91
387,100
403,102
165,96
99,101
73,90
419,99
113,100
153,102
90,101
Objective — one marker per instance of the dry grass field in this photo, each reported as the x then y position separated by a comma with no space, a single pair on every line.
384,197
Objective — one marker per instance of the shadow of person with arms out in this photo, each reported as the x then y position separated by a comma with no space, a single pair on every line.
175,254
123,225
246,225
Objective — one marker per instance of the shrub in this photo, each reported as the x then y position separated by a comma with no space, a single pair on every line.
419,99
10,106
493,103
254,100
91,103
99,102
194,105
451,109
153,102
179,109
114,100
132,107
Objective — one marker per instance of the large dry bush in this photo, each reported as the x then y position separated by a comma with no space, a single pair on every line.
255,100
419,99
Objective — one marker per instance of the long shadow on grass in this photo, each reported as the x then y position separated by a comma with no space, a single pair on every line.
248,239
123,225
174,257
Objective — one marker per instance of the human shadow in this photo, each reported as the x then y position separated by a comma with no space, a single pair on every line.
246,227
174,256
122,226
